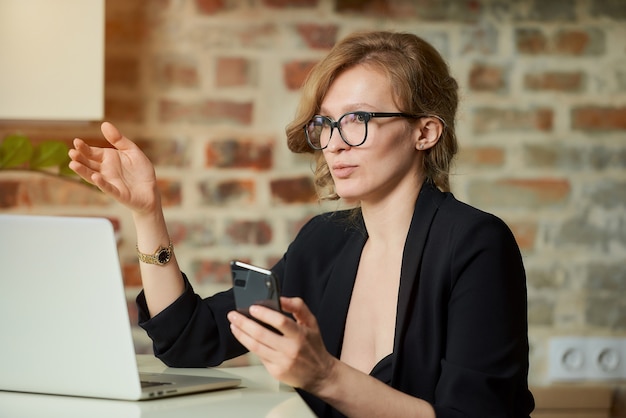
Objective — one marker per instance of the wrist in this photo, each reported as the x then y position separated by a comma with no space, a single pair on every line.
327,385
161,256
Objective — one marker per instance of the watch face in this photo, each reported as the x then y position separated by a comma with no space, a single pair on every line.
163,256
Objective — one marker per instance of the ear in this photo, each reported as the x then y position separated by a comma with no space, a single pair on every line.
428,132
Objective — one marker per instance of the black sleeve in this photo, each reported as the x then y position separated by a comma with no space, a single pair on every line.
484,371
192,332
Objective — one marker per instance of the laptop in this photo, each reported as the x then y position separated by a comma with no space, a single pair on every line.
64,324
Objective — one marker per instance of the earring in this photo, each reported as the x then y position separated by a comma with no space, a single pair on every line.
421,147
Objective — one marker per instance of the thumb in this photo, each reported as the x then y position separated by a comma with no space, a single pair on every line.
115,137
299,310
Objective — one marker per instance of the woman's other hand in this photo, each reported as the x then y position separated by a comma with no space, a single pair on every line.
298,357
122,172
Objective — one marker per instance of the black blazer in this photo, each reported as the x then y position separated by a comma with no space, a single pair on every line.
461,339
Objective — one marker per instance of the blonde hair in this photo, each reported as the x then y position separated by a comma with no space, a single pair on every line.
421,83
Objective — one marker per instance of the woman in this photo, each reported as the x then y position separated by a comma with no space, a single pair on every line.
411,304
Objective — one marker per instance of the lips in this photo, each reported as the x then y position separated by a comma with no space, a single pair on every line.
341,170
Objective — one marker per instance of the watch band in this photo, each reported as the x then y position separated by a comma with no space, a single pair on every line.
161,256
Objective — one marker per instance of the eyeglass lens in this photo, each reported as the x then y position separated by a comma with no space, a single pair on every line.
352,127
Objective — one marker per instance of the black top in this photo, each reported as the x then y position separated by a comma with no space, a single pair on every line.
461,340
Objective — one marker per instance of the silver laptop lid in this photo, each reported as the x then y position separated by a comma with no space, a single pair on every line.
63,315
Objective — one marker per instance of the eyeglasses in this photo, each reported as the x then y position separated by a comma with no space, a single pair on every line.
352,127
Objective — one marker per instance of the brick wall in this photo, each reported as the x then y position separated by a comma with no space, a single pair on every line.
207,86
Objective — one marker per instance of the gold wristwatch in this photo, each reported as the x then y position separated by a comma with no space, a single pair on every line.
161,256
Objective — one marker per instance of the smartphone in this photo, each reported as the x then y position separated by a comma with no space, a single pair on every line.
254,285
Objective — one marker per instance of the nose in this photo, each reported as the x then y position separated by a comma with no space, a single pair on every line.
336,142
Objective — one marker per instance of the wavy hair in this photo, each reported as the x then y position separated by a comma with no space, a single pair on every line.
421,83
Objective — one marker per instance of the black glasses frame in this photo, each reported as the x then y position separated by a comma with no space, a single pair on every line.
367,116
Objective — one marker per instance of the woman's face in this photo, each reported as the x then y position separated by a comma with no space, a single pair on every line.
387,163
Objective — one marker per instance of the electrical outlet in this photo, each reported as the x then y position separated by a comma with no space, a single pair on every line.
606,358
587,358
567,359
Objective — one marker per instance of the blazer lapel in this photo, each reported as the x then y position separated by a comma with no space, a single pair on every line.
333,311
426,207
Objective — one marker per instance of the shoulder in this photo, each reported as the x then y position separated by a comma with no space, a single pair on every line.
323,238
331,227
459,228
463,218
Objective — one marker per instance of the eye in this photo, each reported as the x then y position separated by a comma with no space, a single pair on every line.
355,117
360,117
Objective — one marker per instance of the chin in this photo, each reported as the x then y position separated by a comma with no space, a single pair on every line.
348,198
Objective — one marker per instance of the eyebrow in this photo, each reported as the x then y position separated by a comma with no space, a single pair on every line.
352,107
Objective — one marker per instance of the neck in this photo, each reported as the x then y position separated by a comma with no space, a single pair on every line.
387,221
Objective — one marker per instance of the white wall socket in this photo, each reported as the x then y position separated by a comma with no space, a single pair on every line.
587,358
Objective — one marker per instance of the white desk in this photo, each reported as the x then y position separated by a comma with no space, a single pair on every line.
258,396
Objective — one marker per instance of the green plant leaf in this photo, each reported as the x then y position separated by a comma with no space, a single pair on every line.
49,154
15,150
65,170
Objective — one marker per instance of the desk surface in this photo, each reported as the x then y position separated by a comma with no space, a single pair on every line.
258,396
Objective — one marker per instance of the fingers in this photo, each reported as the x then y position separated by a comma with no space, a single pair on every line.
252,335
115,137
81,160
299,310
86,162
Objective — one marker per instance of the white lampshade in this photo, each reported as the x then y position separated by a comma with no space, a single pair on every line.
52,60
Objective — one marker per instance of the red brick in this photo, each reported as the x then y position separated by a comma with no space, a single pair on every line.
131,274
249,232
294,190
125,23
195,233
211,271
487,78
579,42
520,193
239,153
379,8
171,111
9,190
123,109
264,35
564,42
121,71
531,41
462,10
222,110
318,36
541,190
171,192
233,72
36,190
597,118
290,3
210,7
295,72
482,156
480,39
228,192
177,72
210,111
555,80
525,234
502,119
168,153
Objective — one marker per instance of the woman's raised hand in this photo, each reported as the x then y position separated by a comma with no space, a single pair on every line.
122,172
